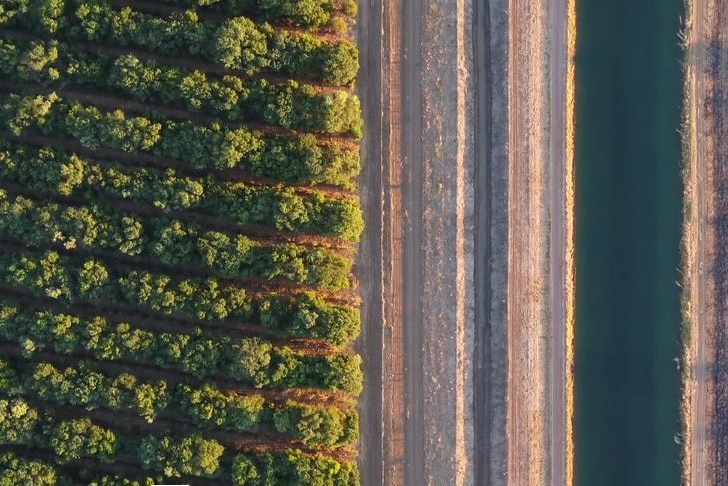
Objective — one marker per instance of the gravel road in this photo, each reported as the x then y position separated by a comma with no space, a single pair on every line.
371,444
558,429
418,194
704,80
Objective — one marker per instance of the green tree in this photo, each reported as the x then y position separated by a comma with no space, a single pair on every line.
251,361
341,64
92,277
245,472
16,470
240,45
9,381
17,421
45,16
74,439
193,455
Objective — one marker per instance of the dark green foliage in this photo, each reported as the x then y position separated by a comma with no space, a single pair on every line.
194,146
74,439
17,421
192,455
175,262
16,470
67,280
232,98
292,467
309,14
212,408
248,360
92,389
171,242
316,426
238,43
54,172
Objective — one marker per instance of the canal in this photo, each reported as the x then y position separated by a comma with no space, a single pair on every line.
628,202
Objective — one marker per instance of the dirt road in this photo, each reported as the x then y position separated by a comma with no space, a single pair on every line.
701,461
413,275
371,345
529,266
417,189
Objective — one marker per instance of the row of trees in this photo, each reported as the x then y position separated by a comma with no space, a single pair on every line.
173,456
292,467
238,43
196,146
232,98
302,13
248,470
54,172
206,299
15,469
74,439
249,360
206,406
168,241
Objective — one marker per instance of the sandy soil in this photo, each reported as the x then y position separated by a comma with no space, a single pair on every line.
705,394
529,265
448,265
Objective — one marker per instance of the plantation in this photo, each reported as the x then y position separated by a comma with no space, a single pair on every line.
178,231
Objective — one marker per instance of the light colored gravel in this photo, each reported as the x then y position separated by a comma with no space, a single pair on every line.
448,198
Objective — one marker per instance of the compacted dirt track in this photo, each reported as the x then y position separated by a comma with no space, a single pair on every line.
706,412
529,298
417,266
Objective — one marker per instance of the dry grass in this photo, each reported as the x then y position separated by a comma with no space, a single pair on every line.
571,35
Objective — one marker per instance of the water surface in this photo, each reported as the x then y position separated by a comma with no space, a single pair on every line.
628,233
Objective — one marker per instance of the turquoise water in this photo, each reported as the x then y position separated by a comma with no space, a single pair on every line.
629,91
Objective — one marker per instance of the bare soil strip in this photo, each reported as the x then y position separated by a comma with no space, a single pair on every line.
371,345
705,407
382,344
529,300
426,241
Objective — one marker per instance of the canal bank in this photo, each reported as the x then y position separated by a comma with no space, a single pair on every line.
628,228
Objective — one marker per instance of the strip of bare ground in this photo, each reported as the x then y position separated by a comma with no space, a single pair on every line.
705,406
426,244
372,88
442,160
529,299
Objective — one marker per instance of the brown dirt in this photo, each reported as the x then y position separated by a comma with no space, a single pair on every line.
528,286
705,259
